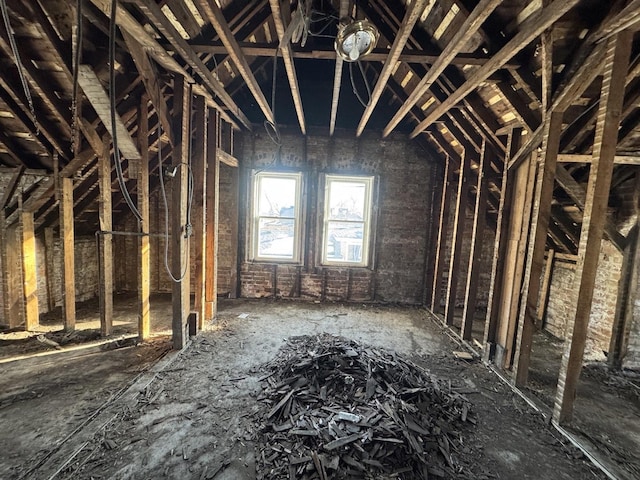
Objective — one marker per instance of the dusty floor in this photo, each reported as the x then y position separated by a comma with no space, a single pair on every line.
194,418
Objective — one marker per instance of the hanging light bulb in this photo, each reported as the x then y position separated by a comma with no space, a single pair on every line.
356,40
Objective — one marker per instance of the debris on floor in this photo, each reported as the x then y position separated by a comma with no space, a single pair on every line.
336,409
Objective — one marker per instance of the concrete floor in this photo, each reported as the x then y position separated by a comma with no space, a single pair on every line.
192,415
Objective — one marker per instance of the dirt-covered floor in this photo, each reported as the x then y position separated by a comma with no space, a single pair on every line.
192,414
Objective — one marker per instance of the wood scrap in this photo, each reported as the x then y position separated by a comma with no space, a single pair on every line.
334,408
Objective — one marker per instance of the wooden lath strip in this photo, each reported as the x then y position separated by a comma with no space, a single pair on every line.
531,28
410,18
337,77
469,28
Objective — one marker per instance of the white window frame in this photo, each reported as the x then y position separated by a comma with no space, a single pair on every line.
368,182
256,178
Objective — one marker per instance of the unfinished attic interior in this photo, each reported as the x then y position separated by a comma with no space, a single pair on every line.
320,239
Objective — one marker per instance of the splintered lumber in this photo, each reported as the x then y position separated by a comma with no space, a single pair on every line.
334,408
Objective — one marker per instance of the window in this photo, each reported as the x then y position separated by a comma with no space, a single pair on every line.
347,220
276,216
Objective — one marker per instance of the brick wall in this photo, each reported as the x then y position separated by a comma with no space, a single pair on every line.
403,224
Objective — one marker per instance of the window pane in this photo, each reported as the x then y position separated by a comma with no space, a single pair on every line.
346,200
277,197
275,237
344,242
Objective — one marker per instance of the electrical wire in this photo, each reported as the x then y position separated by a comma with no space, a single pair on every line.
166,213
366,84
16,55
75,140
112,98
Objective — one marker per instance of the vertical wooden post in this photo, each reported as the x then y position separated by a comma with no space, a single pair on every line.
179,233
4,271
456,240
30,272
445,201
477,242
49,256
211,223
594,216
628,297
544,290
105,242
500,248
536,247
144,245
67,238
199,166
12,274
233,207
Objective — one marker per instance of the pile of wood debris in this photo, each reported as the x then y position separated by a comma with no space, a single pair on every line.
336,409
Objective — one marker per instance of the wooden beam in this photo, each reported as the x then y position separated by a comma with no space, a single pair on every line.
198,216
67,240
105,241
617,159
226,158
456,238
216,17
11,273
546,285
536,247
530,29
12,186
577,193
29,273
408,55
151,82
500,249
179,241
144,243
50,267
627,19
337,76
411,17
477,242
285,48
100,102
212,218
445,202
612,96
470,27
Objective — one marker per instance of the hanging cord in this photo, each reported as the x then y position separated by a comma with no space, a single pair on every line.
112,97
77,54
366,84
16,55
166,212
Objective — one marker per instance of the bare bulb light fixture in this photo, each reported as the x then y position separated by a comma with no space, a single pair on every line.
355,40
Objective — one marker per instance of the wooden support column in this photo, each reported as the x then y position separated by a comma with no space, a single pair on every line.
179,188
544,290
595,211
500,248
144,244
105,241
50,264
234,174
199,167
30,273
67,240
628,298
456,240
211,222
477,242
436,291
536,246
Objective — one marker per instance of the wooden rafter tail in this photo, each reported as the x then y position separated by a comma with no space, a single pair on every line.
285,48
217,19
411,17
530,29
467,30
337,77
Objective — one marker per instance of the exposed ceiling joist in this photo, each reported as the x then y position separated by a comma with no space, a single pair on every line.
530,29
287,57
216,17
471,25
337,77
411,17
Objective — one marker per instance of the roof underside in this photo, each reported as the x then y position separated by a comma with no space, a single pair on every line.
456,75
